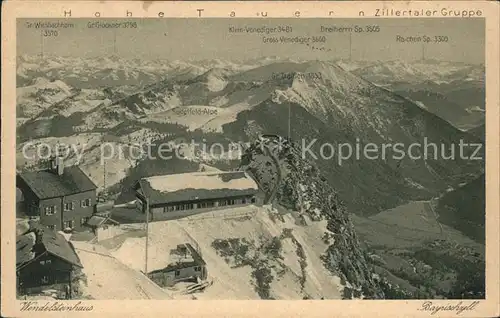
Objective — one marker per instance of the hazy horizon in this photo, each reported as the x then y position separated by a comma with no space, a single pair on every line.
205,39
430,60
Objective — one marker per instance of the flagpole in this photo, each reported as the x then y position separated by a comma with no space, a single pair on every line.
104,177
147,237
289,120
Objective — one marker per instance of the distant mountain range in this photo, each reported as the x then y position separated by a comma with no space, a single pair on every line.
453,91
167,101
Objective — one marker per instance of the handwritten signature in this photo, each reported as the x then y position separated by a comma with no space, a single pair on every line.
459,307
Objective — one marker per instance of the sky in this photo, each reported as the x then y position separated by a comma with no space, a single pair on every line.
209,38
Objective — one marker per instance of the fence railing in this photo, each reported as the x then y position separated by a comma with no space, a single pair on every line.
219,215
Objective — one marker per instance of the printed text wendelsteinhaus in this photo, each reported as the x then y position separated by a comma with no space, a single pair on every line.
54,306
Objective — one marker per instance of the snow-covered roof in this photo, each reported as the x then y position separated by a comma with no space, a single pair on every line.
196,186
191,259
46,184
53,242
98,220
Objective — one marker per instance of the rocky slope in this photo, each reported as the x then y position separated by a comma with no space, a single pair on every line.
465,209
249,254
460,115
402,253
479,131
301,188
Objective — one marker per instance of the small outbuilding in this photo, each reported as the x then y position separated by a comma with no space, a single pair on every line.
44,260
103,226
187,265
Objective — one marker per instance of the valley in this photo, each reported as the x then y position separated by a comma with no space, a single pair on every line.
384,228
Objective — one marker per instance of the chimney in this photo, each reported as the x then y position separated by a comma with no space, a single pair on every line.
32,224
58,165
38,246
39,236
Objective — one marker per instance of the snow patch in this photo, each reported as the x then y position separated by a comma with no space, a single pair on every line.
199,180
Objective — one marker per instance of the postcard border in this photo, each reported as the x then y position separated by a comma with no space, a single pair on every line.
56,9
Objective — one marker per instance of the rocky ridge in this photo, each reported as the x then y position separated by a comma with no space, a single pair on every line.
300,188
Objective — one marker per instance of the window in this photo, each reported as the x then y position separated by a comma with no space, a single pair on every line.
184,207
69,224
86,203
52,227
69,206
45,279
177,273
253,200
243,201
50,210
46,262
206,204
197,268
84,220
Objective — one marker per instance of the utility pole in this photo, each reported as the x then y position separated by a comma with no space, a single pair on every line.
69,289
41,44
289,121
114,41
104,182
350,46
147,238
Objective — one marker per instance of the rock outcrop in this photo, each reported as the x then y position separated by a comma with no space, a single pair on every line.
300,188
